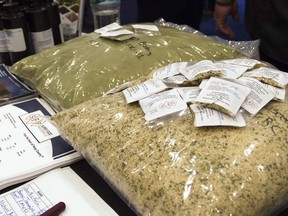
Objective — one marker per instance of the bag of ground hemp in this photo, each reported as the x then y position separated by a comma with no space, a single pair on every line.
88,66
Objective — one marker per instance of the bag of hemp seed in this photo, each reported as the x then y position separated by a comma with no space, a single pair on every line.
180,169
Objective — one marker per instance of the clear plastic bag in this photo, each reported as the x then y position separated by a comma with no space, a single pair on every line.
250,48
179,169
88,66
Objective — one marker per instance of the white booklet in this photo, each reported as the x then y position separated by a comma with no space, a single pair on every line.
58,185
29,143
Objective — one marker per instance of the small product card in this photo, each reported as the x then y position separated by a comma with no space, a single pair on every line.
169,70
269,76
201,70
231,71
223,95
162,104
38,124
259,96
205,116
249,63
189,94
143,90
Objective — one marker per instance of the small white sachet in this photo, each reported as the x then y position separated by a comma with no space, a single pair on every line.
279,93
231,71
189,94
201,70
111,27
259,96
145,27
205,116
223,95
169,70
269,76
162,104
117,33
143,90
249,63
177,80
203,83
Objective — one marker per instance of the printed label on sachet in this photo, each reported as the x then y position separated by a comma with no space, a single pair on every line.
269,76
201,70
279,93
162,104
223,95
259,96
205,116
169,70
249,63
143,90
111,27
189,94
231,71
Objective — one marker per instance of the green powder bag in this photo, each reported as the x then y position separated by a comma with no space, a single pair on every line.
88,66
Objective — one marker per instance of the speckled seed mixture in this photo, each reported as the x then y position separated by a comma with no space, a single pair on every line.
206,75
179,169
269,81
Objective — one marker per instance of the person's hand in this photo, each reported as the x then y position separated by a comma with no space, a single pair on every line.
221,14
